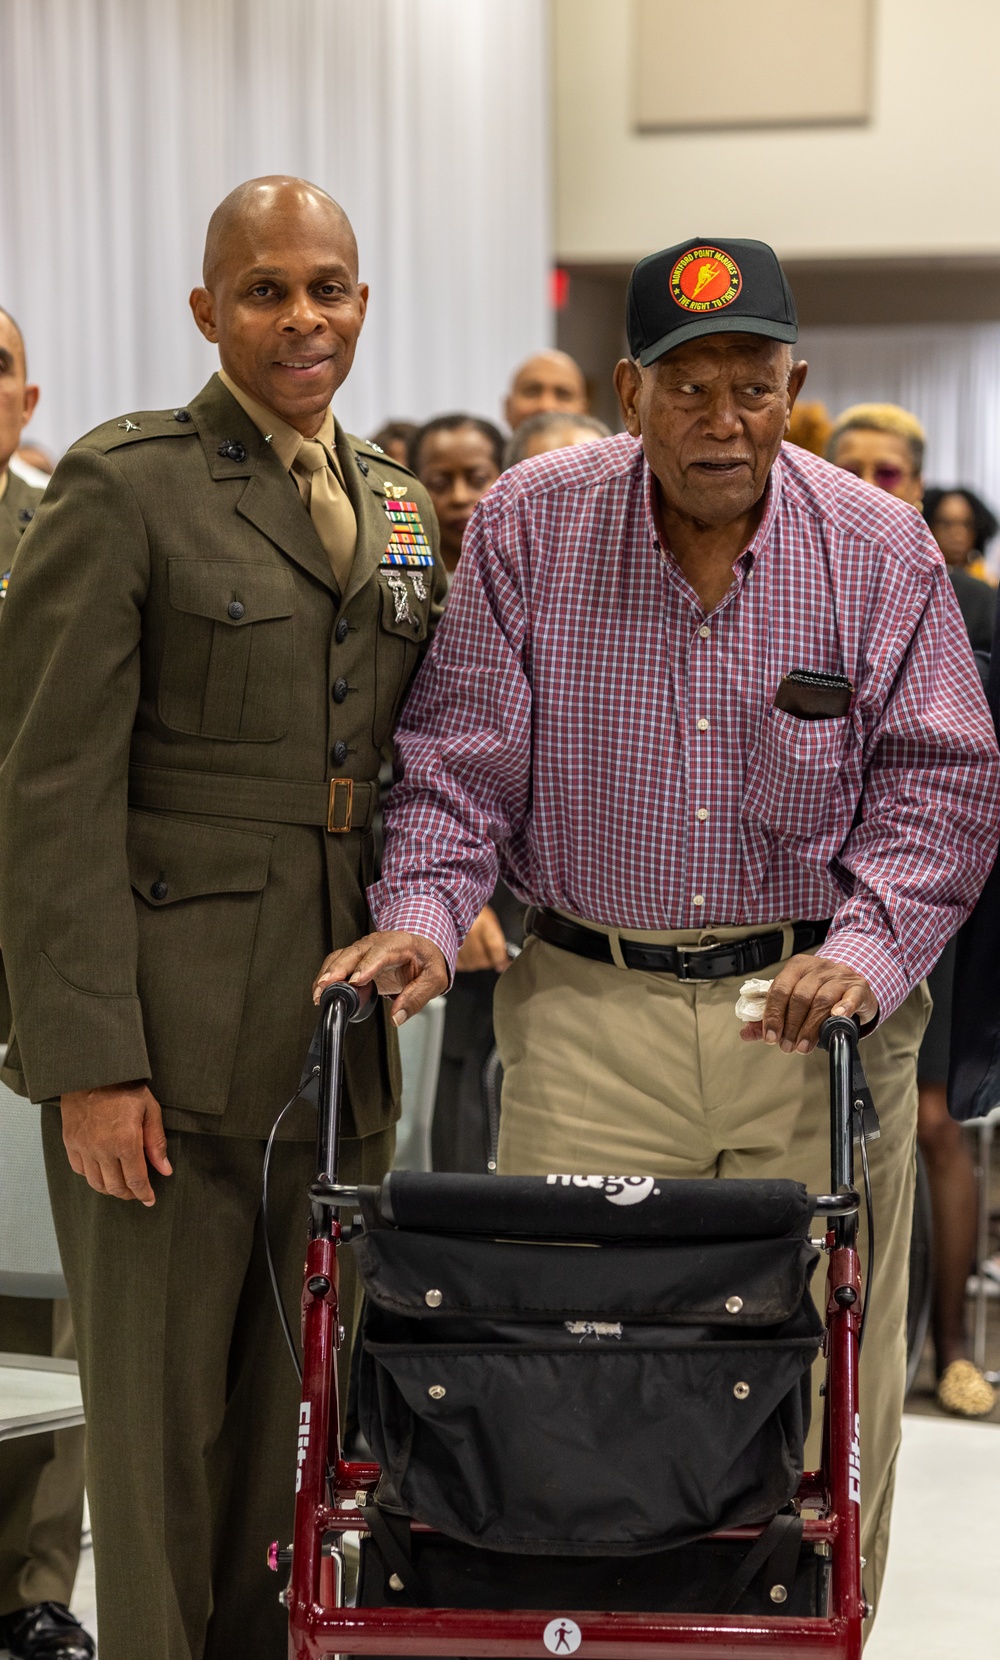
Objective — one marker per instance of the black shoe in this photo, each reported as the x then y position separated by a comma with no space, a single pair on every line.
48,1631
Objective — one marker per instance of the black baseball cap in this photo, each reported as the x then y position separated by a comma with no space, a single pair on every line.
705,287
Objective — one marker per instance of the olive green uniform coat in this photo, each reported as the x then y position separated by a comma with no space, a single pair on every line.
181,682
176,697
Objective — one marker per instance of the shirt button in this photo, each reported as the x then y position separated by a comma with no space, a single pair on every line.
699,899
705,633
340,690
341,631
703,725
338,753
235,609
703,813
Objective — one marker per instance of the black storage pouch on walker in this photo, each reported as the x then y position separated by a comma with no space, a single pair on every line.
616,1393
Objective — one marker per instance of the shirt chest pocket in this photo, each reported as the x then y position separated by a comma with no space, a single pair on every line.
228,651
404,604
796,773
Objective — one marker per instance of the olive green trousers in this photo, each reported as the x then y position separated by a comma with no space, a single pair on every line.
611,1070
41,1476
189,1390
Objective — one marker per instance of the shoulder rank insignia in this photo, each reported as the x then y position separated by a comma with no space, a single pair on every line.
409,545
129,426
4,579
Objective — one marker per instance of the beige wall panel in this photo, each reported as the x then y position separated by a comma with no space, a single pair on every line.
921,177
772,63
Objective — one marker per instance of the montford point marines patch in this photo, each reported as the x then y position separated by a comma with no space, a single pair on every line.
705,279
409,545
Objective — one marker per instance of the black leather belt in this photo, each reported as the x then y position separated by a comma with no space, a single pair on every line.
702,962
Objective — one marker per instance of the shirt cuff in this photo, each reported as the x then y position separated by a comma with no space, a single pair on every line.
866,956
426,917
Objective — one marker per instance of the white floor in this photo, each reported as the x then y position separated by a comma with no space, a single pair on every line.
942,1593
941,1599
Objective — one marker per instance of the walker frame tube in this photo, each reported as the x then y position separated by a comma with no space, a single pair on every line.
331,1494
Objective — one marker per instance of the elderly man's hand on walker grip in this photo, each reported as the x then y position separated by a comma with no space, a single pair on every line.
406,967
806,992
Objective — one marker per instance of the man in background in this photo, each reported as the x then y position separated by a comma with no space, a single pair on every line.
41,1476
551,431
550,382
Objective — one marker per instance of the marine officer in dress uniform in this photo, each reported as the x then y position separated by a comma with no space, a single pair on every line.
207,638
41,1476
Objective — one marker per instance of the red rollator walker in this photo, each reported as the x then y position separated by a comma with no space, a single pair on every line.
587,1398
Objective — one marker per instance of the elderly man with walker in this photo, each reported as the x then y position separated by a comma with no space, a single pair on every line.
708,703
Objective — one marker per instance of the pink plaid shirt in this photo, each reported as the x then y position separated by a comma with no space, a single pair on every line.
582,724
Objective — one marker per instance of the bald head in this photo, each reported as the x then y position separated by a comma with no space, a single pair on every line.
246,213
17,398
551,382
281,296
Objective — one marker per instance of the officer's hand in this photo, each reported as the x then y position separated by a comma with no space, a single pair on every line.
485,945
110,1133
806,992
406,967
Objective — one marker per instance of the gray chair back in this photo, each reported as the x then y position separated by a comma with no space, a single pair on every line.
29,1255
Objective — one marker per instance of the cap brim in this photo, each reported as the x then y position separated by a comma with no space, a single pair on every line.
719,324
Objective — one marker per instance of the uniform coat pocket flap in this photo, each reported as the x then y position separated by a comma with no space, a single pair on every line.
233,591
172,858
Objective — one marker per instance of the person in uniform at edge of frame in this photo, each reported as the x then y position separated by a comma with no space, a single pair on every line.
208,634
695,565
41,1476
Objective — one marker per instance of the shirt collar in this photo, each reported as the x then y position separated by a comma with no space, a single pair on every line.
284,440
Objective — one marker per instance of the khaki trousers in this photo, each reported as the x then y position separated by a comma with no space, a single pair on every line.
609,1070
189,1391
41,1476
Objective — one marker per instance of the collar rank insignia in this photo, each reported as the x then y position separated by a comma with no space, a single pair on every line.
4,579
409,545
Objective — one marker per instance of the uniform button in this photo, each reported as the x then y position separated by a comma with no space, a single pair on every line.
159,890
339,690
703,725
704,632
235,609
703,813
699,899
181,415
338,753
341,631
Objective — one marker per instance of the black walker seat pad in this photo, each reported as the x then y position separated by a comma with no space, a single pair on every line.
592,1207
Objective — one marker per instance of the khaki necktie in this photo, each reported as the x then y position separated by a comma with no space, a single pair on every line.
329,508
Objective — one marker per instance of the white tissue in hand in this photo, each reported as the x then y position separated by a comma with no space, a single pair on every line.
753,996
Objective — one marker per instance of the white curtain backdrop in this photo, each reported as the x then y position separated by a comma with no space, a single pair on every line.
948,375
123,123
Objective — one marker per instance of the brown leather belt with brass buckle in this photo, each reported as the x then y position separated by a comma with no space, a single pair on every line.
340,805
703,962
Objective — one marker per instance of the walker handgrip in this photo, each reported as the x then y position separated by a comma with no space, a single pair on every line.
358,1001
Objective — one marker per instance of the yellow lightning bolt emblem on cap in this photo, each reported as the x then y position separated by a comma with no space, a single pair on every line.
707,274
